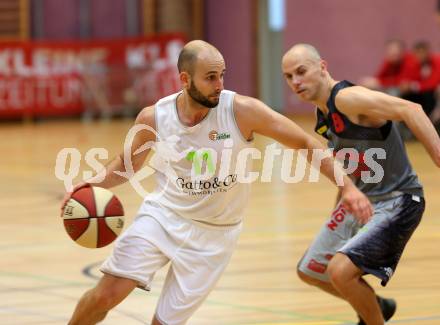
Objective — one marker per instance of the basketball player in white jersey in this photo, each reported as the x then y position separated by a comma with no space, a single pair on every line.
193,223
353,117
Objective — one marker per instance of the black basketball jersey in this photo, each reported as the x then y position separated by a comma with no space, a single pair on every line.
375,158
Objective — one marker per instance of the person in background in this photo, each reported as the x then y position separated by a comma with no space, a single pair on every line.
393,70
422,78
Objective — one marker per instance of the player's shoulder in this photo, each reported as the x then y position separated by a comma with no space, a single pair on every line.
146,116
251,113
170,99
353,95
247,103
226,92
358,102
354,90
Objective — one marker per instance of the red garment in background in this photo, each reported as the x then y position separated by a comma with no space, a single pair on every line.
426,75
392,74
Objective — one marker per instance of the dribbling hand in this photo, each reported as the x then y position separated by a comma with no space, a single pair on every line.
357,203
67,196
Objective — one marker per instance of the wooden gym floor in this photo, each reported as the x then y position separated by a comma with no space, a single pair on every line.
43,273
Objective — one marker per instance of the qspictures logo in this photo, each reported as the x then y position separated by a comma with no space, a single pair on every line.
232,165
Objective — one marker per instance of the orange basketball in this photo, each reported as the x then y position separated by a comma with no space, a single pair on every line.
93,217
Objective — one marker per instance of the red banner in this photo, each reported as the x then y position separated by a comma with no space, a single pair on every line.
67,78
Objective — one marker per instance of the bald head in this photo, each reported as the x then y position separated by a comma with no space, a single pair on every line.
303,51
193,51
305,72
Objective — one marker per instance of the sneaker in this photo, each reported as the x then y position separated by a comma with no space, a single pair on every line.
387,306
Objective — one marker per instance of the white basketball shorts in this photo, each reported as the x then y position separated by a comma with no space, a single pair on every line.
198,255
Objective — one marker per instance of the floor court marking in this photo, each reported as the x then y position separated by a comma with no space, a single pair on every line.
87,271
44,291
302,319
27,312
396,321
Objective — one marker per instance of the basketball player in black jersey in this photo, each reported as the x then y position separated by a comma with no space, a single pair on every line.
359,122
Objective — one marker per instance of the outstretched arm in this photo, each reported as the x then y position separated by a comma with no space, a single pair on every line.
107,177
254,116
379,106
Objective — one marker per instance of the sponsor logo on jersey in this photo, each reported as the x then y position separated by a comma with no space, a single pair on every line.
206,187
197,157
215,136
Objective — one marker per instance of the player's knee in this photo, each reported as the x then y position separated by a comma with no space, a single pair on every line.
337,274
103,299
307,278
303,277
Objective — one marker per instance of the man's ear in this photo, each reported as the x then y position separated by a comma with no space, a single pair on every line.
323,65
185,79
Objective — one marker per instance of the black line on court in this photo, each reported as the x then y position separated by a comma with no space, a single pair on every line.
87,271
116,310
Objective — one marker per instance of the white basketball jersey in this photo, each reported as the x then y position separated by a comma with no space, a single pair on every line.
200,169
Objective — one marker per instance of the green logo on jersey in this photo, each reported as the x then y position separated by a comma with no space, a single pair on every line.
197,157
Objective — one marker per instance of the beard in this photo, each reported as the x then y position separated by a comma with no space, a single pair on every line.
199,98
